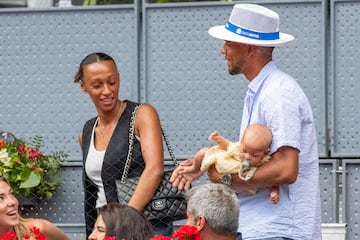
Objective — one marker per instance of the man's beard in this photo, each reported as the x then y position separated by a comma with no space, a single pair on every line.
234,71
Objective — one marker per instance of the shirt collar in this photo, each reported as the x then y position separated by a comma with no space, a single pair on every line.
257,82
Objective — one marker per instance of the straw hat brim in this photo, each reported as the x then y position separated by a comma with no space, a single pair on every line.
222,33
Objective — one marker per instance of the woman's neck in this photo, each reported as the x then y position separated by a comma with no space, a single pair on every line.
3,231
106,125
107,119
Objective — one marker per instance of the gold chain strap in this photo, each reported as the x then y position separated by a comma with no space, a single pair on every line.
131,145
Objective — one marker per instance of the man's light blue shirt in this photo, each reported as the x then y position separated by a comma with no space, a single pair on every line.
276,100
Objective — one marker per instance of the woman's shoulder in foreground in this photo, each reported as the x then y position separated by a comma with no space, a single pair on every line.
46,227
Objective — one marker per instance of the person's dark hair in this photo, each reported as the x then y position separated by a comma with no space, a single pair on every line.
125,222
91,58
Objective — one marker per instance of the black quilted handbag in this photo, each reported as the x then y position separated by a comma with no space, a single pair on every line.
168,204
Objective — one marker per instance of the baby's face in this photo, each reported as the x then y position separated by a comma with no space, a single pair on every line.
255,153
256,157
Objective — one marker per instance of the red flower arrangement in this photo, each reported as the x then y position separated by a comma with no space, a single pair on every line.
185,232
35,234
160,237
112,238
8,236
27,169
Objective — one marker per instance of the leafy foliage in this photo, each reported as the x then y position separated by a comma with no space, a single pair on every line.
28,170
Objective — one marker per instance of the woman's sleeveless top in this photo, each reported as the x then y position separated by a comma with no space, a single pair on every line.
113,164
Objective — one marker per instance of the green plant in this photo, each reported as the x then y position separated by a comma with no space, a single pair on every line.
28,170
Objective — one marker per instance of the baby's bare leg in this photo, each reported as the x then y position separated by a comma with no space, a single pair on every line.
199,156
219,140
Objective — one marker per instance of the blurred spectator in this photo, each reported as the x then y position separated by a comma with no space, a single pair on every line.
122,222
214,209
12,222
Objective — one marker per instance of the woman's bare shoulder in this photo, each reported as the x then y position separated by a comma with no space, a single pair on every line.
46,227
146,107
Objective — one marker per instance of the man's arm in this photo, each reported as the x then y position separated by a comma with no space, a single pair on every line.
281,169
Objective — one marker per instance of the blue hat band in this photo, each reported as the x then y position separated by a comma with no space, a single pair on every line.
251,34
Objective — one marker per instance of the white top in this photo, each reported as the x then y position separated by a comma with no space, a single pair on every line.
277,101
93,166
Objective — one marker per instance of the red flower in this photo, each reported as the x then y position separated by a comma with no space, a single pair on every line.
187,232
34,153
22,148
8,236
35,234
160,237
110,238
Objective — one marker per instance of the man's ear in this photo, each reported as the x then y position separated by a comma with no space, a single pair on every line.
200,223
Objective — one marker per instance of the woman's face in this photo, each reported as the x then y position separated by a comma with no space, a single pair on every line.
102,82
8,208
99,232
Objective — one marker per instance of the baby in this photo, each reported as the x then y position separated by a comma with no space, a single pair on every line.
225,155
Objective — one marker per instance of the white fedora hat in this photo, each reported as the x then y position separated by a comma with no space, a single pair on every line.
252,24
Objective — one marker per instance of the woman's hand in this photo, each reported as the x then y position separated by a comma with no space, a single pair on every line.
185,174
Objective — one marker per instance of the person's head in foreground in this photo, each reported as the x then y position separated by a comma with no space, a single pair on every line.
8,208
214,209
122,222
250,35
13,226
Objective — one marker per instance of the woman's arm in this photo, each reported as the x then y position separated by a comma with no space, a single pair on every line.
80,139
147,127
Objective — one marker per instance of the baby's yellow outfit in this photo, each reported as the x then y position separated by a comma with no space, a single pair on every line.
229,162
226,161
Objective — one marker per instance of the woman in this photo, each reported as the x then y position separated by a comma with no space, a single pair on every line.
104,141
12,222
122,222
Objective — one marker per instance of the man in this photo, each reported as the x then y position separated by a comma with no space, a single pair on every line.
276,100
214,210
